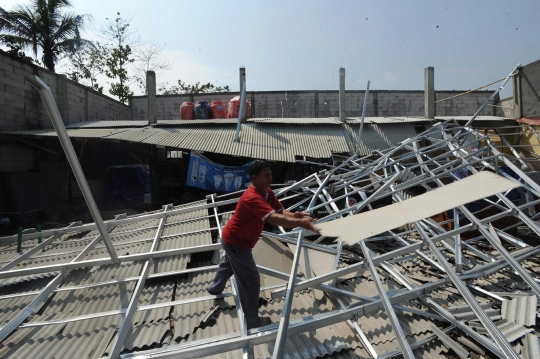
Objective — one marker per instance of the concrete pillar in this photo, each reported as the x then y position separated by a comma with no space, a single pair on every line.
342,94
429,92
151,97
517,95
62,97
242,74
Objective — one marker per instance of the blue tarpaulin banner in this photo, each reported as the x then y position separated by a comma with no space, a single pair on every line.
205,174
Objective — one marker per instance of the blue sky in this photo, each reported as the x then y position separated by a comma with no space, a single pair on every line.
296,45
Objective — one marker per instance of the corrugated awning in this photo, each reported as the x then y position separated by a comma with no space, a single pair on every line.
275,141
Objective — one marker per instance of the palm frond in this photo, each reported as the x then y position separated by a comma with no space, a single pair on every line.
22,23
44,24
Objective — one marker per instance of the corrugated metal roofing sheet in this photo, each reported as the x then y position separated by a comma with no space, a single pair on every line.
107,124
478,118
379,137
151,326
163,123
465,313
394,119
75,133
135,134
510,330
532,347
521,310
297,120
70,341
277,142
188,317
169,137
316,343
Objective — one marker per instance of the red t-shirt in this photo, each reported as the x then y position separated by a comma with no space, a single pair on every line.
246,225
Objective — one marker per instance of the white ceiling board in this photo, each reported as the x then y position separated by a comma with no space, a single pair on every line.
364,225
319,262
271,253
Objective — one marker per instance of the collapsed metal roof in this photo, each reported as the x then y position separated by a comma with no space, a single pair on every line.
450,285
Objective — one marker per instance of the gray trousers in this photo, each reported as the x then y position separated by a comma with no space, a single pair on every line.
242,265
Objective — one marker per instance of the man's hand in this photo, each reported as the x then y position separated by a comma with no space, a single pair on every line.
298,214
289,220
307,223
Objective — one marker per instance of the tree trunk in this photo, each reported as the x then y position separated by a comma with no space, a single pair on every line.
48,61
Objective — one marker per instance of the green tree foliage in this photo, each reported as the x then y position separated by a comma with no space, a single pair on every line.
182,88
87,63
119,58
16,49
43,25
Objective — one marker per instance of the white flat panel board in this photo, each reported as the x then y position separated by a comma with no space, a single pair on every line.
364,225
271,253
319,262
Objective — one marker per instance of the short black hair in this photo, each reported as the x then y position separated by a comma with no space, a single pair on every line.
257,166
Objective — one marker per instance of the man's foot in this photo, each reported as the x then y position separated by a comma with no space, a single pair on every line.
263,321
213,291
216,287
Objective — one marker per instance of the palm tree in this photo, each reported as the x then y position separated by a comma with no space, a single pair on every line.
43,25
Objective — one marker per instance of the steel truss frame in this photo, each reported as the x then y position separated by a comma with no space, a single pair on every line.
443,153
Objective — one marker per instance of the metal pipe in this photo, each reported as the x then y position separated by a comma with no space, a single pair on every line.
491,97
125,326
362,121
241,112
54,114
398,331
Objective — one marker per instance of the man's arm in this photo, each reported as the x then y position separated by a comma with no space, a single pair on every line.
292,222
295,214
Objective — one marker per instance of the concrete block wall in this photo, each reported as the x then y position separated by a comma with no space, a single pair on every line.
400,103
527,90
354,103
284,104
168,107
465,105
326,103
508,106
103,108
76,103
21,107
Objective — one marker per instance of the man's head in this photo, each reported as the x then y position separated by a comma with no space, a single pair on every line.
260,174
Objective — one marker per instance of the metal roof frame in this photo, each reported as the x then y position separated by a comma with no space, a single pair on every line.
429,160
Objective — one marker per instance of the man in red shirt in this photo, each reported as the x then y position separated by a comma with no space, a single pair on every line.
256,205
